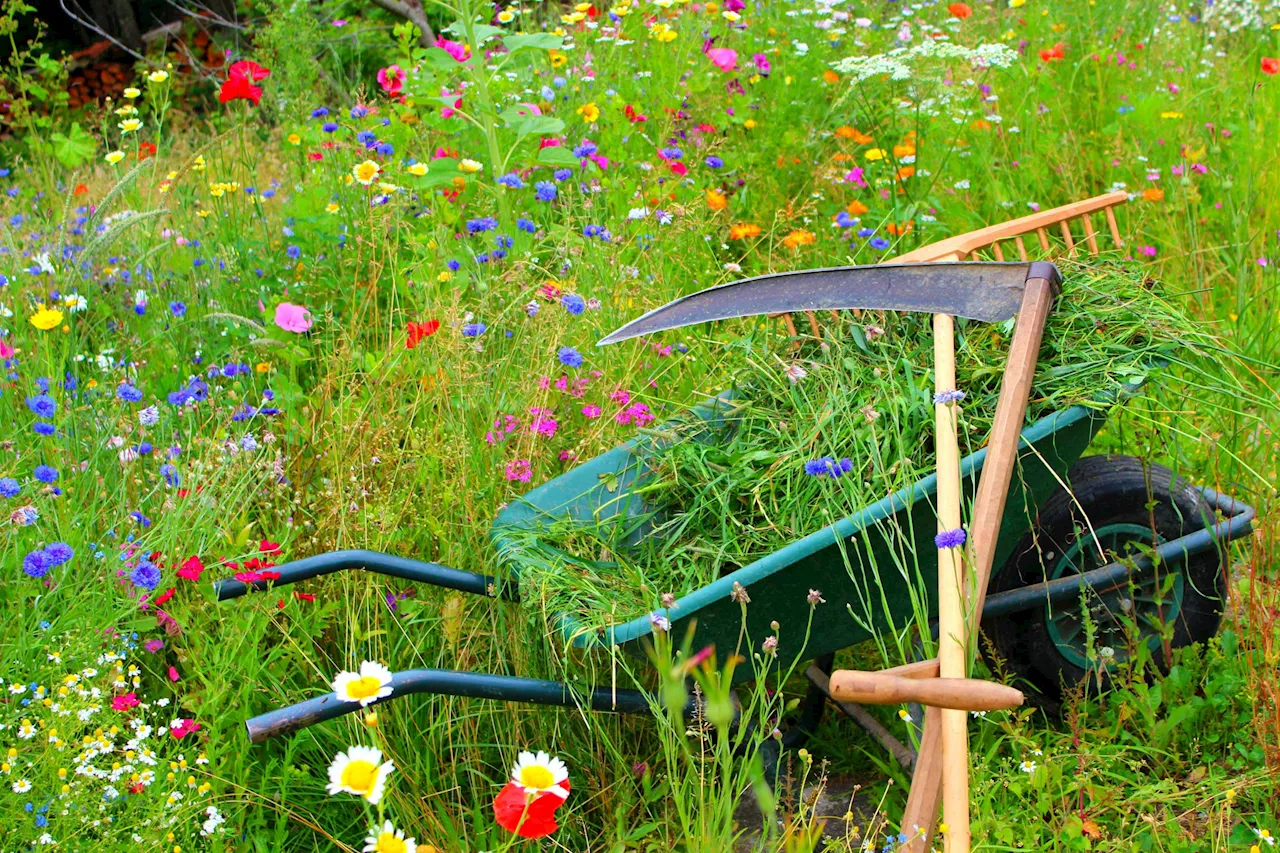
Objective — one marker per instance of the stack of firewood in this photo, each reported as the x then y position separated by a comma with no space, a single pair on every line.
97,82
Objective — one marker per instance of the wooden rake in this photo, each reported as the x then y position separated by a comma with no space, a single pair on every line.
941,771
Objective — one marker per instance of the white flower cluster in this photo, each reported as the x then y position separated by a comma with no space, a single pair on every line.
1236,15
897,63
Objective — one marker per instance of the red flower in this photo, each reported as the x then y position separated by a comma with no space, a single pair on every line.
959,10
191,569
1270,65
304,596
164,597
145,150
418,331
633,116
1058,51
271,549
514,811
81,189
239,83
184,728
124,702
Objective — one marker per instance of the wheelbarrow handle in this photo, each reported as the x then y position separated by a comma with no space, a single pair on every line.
448,682
379,563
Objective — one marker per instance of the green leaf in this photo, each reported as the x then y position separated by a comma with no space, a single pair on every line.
482,32
73,147
557,155
533,41
439,58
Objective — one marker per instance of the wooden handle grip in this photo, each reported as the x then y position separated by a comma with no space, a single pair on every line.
962,694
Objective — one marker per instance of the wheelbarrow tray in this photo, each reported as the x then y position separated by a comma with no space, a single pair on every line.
861,563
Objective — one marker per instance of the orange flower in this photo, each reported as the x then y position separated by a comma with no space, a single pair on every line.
744,231
906,172
716,200
1270,65
845,132
1058,51
796,239
830,76
856,208
1153,194
960,10
80,189
981,124
906,150
898,230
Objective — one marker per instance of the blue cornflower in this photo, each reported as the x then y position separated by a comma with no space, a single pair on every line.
128,393
36,564
329,127
474,330
150,416
386,149
367,138
502,241
294,252
562,174
177,309
573,303
59,553
481,225
43,384
43,405
511,180
145,575
145,448
359,111
586,149
818,467
594,231
320,112
140,518
46,474
950,538
946,398
482,258
545,191
526,225
879,244
453,265
866,232
844,220
44,428
9,487
569,357
672,153
170,473
713,162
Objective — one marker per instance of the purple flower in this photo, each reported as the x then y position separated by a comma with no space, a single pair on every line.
660,622
145,575
154,645
128,393
573,303
474,330
9,487
46,474
879,244
481,225
562,174
714,162
36,564
177,309
59,553
946,398
950,538
43,405
545,191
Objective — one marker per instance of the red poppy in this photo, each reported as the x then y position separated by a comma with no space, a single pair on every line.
146,150
1270,65
1058,51
418,331
959,10
80,189
515,813
239,83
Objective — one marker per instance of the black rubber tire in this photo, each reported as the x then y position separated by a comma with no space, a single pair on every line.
1108,490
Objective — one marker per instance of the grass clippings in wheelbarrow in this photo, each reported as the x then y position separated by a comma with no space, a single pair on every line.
816,434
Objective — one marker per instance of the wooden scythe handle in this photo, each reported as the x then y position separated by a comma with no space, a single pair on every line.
964,694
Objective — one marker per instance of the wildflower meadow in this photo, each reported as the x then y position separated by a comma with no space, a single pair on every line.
334,281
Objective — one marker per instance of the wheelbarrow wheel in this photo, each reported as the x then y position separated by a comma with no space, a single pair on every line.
1126,504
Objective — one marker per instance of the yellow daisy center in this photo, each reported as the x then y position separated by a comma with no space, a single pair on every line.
537,777
359,776
388,843
363,688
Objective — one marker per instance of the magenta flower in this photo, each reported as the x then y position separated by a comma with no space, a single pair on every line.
724,58
293,318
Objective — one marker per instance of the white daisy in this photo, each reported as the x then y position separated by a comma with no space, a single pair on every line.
371,683
389,840
22,786
540,773
360,771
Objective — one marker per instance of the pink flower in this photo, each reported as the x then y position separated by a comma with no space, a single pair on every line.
124,702
181,728
519,470
293,318
524,108
591,410
6,349
173,674
391,79
724,58
1149,251
855,177
459,51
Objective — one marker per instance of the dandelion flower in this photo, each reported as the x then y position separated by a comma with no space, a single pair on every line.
366,172
389,840
371,683
360,771
46,318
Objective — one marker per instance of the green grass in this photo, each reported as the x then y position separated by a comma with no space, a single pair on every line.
380,446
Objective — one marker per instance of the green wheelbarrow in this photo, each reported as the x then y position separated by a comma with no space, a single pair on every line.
1077,528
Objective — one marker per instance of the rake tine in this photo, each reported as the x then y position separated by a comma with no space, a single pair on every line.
1044,238
1115,229
1066,235
1089,238
995,247
813,324
1022,247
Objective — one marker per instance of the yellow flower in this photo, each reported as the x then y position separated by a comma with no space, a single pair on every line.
557,57
360,771
132,93
418,169
158,76
589,112
506,16
332,207
1017,4
470,167
874,154
130,124
263,367
732,17
115,157
444,276
749,123
1171,114
127,110
46,318
294,139
573,18
366,172
389,840
198,165
662,33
